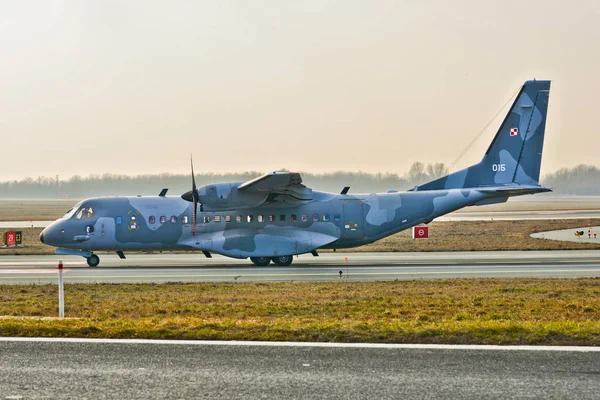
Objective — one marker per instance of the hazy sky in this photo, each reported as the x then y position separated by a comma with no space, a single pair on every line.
136,86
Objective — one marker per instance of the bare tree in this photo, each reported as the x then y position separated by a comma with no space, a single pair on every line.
436,170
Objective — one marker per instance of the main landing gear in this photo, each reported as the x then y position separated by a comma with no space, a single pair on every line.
280,261
93,260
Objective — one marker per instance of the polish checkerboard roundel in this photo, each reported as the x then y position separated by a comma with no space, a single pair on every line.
514,131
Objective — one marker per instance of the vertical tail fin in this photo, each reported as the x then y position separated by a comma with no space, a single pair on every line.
515,155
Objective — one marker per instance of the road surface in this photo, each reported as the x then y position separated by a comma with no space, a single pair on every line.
354,266
106,369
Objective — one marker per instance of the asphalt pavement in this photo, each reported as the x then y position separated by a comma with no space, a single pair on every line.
193,267
143,370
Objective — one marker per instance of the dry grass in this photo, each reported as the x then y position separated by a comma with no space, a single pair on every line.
31,244
34,210
486,311
485,236
445,236
541,203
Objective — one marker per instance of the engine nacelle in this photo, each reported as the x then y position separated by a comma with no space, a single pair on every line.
225,196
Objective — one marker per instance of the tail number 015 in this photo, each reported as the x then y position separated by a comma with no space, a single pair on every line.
498,167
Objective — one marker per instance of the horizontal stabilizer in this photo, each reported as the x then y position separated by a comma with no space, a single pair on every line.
514,191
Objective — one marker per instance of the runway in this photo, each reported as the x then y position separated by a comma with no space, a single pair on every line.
104,369
192,267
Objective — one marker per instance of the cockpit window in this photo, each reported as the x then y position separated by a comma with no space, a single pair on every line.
68,214
71,212
85,213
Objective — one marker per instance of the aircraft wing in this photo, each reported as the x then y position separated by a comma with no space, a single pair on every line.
281,186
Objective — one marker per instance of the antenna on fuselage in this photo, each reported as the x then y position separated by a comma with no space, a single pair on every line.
163,192
345,190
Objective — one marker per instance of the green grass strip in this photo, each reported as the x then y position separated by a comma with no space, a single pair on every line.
468,311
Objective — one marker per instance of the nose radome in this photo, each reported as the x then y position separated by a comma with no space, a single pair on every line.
42,237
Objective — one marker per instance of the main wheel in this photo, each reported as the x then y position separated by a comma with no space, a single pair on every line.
93,260
282,261
260,261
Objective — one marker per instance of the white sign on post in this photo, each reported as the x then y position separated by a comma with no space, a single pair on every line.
61,291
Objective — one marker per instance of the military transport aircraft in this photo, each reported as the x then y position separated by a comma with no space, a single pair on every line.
275,216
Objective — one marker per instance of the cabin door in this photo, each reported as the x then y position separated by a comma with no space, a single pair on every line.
353,219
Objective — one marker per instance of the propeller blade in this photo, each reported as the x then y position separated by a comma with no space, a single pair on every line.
194,198
193,177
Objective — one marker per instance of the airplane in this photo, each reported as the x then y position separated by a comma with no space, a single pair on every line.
273,217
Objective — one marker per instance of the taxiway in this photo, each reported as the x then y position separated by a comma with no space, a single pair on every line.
193,267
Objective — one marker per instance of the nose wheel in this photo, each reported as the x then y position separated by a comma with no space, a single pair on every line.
93,260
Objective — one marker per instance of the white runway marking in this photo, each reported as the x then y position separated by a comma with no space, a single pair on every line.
53,263
305,344
30,271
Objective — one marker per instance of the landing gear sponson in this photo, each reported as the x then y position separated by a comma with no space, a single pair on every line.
281,261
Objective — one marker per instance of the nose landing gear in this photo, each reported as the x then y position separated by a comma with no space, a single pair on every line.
93,260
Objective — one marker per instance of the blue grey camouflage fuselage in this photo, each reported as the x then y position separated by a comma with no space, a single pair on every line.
275,215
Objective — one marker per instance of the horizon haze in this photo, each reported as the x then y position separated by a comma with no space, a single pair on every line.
134,87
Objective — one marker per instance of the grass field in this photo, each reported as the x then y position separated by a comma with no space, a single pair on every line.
34,210
444,236
485,311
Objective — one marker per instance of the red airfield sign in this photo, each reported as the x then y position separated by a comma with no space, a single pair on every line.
420,232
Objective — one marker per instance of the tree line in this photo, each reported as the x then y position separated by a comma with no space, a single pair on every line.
581,180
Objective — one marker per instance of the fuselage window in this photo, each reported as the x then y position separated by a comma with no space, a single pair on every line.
228,218
184,219
282,217
206,219
249,218
271,218
238,218
315,217
326,217
293,217
118,220
337,217
163,219
173,219
259,218
304,218
217,218
152,219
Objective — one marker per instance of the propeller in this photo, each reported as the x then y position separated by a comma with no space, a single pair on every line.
192,196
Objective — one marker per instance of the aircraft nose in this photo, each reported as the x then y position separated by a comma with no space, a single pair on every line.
42,237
